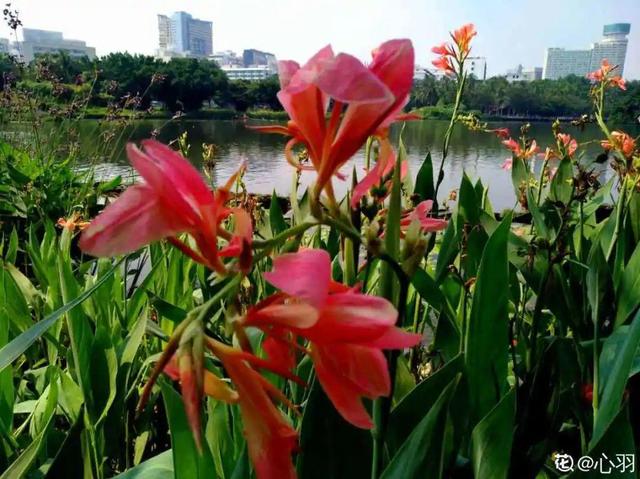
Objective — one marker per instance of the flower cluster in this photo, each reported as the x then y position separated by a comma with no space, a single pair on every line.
519,151
365,101
453,55
620,142
604,75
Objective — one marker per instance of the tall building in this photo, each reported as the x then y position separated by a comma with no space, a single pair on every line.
181,35
252,57
40,42
559,62
227,58
477,67
613,46
4,45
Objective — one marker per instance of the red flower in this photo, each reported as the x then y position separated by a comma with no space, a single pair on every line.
421,214
445,64
373,97
462,37
174,199
603,74
502,133
346,330
621,142
517,150
586,392
569,144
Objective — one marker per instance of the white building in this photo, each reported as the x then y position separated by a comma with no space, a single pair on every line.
252,73
4,45
227,58
476,67
40,42
559,62
520,74
181,35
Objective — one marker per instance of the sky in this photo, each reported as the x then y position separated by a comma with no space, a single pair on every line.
510,32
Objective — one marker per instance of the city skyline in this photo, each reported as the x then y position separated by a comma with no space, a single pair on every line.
529,28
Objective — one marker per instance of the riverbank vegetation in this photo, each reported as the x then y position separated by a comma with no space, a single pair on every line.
134,83
178,328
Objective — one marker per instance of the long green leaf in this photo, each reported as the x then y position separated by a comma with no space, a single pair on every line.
158,467
19,345
421,455
486,341
492,438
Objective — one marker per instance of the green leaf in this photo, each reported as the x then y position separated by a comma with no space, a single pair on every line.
613,385
628,298
158,467
492,438
415,405
597,279
19,468
330,446
276,219
426,286
562,184
12,249
424,180
486,341
188,463
19,345
468,202
421,455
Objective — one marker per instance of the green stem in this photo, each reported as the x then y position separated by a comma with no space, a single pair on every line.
447,136
537,315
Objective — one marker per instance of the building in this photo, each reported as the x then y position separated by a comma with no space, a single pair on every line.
181,35
476,67
227,58
4,45
251,73
254,57
520,74
40,42
559,63
613,46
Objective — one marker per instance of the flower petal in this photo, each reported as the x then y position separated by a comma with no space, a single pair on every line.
136,218
304,275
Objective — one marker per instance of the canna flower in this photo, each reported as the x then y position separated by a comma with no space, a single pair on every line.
507,164
502,133
462,38
346,330
366,100
380,175
458,51
270,438
73,223
518,152
173,199
621,142
603,75
421,214
570,145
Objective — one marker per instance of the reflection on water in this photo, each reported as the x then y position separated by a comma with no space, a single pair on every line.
480,155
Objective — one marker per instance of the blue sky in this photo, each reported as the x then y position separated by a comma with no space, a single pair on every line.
510,31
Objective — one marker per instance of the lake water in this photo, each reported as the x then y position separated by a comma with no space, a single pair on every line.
478,154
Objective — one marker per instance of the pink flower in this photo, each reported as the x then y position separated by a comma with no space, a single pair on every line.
445,64
502,133
173,199
371,98
517,150
346,330
421,214
569,144
463,36
508,164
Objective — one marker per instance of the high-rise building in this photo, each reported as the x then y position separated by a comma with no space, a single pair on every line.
252,57
181,35
560,63
613,46
476,67
227,58
4,45
40,42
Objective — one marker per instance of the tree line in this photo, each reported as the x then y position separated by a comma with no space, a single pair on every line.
186,84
